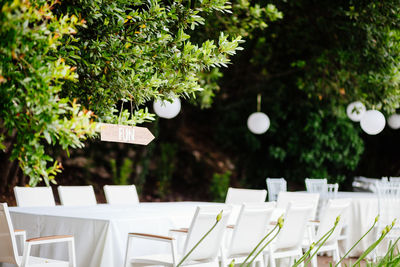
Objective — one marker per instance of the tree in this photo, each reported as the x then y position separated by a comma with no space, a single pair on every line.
308,67
31,78
99,53
138,51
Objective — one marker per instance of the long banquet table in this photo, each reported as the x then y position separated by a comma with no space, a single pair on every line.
360,217
101,231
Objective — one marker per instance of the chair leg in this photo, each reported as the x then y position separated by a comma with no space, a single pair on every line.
336,256
25,257
314,261
71,253
266,259
271,261
261,262
174,252
128,249
223,259
291,260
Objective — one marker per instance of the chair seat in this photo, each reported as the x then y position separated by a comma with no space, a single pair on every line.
158,259
155,259
49,262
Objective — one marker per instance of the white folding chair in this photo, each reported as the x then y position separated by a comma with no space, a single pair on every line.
388,203
77,195
121,194
34,196
206,252
344,234
288,243
316,185
328,218
240,196
9,251
274,186
306,199
332,191
326,191
250,228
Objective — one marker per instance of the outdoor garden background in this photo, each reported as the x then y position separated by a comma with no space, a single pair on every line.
66,65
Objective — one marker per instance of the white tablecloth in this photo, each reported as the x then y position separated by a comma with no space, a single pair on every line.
101,231
359,218
361,215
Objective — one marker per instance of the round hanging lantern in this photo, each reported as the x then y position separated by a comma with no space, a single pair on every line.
373,122
355,111
258,123
166,109
394,121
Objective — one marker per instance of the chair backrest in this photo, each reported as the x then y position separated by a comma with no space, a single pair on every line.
274,186
328,218
332,190
34,196
294,226
203,220
240,196
250,228
8,246
77,195
305,199
121,194
388,201
394,179
343,202
316,185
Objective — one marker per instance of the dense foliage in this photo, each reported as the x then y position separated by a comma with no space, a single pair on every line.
31,78
120,51
308,60
308,64
308,67
136,51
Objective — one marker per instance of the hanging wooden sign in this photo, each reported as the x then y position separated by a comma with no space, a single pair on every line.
125,134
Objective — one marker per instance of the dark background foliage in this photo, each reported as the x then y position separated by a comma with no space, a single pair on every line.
307,66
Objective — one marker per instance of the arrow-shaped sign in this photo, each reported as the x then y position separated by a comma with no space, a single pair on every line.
125,134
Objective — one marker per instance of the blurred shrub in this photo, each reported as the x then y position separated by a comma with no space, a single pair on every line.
122,174
219,186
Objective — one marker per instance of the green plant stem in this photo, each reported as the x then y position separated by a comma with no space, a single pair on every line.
347,253
370,248
259,243
389,255
320,245
310,249
262,249
198,243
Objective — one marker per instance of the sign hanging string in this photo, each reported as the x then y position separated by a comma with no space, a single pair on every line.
120,112
259,102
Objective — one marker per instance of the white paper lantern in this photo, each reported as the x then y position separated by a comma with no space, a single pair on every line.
373,122
258,123
166,109
355,111
394,121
